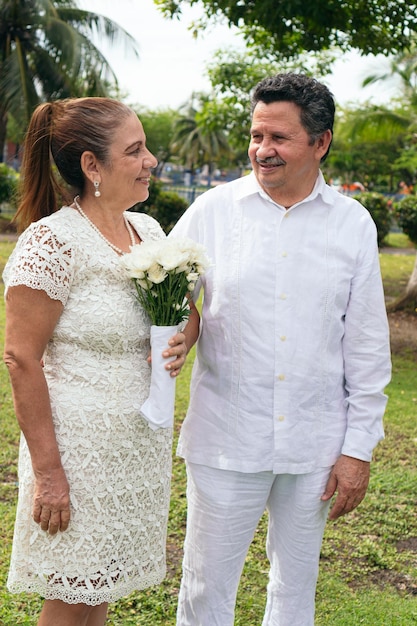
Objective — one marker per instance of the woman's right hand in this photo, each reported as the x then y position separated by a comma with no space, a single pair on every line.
51,502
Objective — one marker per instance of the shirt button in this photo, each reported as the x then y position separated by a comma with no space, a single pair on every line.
286,214
281,376
283,337
281,418
283,296
284,253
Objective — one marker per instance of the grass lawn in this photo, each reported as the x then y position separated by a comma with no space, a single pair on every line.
368,572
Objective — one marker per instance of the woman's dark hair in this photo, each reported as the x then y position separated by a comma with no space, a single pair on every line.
316,102
58,134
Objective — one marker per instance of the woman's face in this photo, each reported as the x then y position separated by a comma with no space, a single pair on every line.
125,179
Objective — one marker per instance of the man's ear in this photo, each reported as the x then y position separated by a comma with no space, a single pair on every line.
324,141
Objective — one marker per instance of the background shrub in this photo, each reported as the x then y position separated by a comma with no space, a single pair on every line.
165,206
378,206
405,212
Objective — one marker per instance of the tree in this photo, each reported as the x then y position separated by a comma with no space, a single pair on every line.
47,53
288,27
365,149
199,140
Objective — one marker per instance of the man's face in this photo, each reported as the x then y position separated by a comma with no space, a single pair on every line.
282,156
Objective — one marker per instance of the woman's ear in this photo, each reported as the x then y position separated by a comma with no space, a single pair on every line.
88,164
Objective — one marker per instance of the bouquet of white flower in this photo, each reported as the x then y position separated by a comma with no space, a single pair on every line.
164,272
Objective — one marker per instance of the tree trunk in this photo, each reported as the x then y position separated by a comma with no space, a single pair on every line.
409,297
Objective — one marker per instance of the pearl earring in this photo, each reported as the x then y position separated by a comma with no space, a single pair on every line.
97,192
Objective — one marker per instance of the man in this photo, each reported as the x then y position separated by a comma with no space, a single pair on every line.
293,356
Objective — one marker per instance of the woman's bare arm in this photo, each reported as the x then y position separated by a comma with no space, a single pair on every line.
31,317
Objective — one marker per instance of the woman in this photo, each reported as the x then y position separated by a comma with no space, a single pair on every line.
94,478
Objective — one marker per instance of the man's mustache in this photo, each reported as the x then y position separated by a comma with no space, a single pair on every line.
270,161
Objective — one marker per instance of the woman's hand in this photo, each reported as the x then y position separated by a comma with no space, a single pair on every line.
177,352
51,507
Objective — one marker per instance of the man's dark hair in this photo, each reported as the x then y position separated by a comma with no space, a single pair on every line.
316,102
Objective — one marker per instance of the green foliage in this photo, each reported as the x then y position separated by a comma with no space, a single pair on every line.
379,207
165,206
371,163
368,142
405,212
8,184
288,27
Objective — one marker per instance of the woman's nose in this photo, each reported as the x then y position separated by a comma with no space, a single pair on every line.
151,161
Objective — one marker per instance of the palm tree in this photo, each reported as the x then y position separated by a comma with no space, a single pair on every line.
46,53
196,140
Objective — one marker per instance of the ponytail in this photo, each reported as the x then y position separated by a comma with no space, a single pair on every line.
39,189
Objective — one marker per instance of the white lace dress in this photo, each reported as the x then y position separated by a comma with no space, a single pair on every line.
117,467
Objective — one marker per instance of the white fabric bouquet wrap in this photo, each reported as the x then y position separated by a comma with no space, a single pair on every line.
159,406
164,272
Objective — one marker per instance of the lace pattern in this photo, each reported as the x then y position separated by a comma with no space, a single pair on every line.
46,264
98,377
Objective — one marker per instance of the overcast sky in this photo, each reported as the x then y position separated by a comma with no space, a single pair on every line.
172,63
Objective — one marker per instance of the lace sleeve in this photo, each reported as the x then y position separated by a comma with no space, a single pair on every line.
41,261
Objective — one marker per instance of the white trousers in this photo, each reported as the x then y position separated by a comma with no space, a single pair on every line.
224,508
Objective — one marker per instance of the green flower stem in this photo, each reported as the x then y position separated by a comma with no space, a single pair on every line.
165,302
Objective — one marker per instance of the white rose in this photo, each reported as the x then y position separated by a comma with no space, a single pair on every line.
156,274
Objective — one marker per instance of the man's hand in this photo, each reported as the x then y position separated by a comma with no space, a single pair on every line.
349,478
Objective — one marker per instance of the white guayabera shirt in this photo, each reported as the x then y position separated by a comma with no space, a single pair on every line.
293,355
